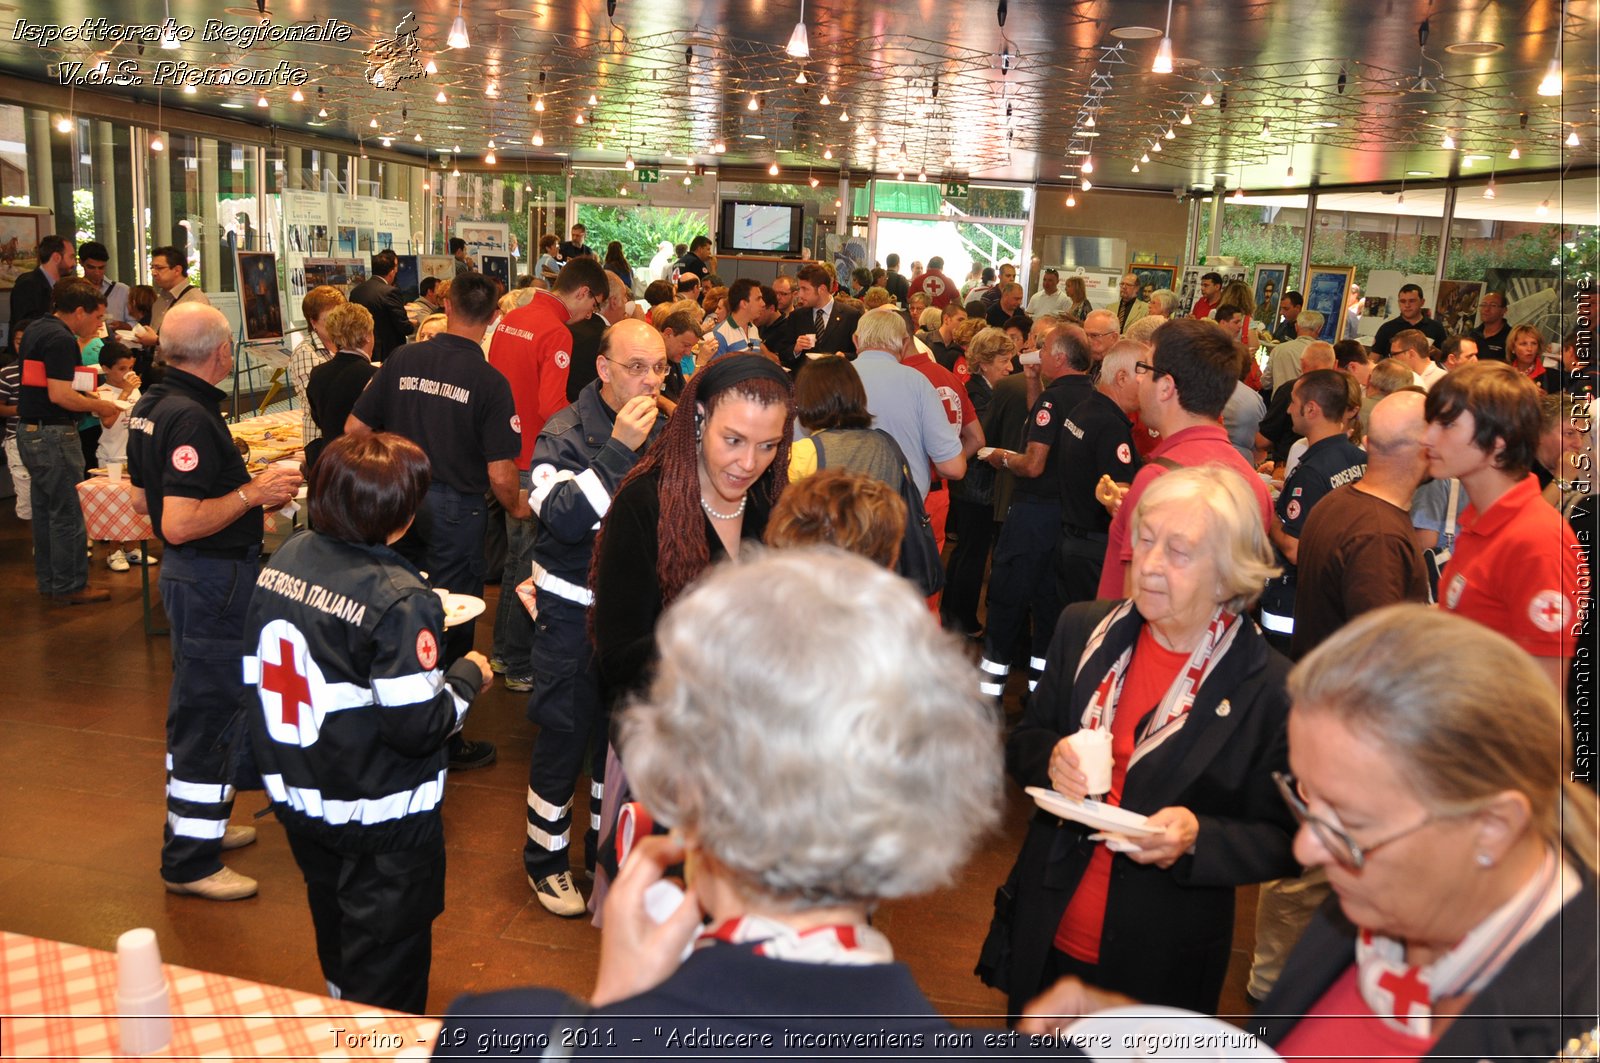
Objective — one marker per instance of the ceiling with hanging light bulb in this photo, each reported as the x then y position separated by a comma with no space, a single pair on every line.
976,89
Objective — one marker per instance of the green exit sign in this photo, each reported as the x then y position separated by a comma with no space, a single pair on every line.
955,189
648,175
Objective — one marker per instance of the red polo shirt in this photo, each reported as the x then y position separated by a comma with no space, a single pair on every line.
532,346
1205,444
1515,569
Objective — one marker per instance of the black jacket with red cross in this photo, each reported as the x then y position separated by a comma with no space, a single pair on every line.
352,712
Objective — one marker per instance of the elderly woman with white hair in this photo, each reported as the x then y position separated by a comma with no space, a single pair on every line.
804,780
1189,698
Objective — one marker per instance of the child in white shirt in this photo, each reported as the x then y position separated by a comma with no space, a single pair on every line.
121,386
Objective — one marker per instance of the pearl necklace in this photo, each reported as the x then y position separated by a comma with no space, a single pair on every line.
714,515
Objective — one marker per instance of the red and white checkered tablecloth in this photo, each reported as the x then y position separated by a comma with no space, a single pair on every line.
108,511
57,1003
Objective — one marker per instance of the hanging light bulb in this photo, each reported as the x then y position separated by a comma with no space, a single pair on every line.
64,124
158,142
753,105
578,119
1163,63
1488,189
417,137
322,112
1088,123
1187,119
430,67
1208,100
1549,85
1516,152
1155,146
1086,184
261,101
169,36
814,182
844,115
800,78
297,96
827,153
593,99
799,46
488,158
189,90
1238,194
1266,130
627,164
1135,167
492,144
1572,138
1448,143
1072,200
458,31
718,148
441,98
1542,208
538,105
372,124
773,169
1088,164
686,180
825,101
1169,134
387,142
538,138
900,175
492,90
922,176
1145,157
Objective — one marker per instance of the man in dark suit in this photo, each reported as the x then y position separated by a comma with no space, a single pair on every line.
831,328
30,294
383,301
896,283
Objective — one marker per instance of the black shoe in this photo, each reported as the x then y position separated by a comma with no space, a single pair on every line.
472,755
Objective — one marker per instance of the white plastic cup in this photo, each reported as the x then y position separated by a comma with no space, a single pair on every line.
144,1022
114,471
1094,758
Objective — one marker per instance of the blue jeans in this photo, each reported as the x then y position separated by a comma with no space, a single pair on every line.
513,627
54,460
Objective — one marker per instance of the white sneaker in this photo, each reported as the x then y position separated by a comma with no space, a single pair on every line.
117,561
559,895
137,556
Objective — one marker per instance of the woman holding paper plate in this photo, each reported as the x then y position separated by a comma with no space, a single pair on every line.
1181,689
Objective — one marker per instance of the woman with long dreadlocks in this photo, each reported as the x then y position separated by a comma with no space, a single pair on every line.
706,486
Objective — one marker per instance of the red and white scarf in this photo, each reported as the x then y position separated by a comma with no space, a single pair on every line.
1173,710
849,944
1402,995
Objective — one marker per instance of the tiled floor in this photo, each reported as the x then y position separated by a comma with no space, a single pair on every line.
81,755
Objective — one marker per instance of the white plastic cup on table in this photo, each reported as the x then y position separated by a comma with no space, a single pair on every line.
1093,748
114,471
144,1007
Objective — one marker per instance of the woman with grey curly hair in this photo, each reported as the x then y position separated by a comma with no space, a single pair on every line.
816,745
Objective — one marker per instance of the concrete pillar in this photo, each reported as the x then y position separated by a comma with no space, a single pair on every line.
210,245
294,177
106,221
41,173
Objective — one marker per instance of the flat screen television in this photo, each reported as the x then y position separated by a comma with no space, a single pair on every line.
754,228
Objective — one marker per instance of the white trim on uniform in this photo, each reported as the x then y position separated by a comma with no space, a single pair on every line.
546,581
367,811
410,689
553,843
190,827
594,491
201,793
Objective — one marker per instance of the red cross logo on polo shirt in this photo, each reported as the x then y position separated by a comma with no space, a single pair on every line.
284,679
1547,610
1407,989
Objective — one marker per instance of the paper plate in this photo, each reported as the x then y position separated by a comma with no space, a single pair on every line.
1149,1031
459,608
1094,814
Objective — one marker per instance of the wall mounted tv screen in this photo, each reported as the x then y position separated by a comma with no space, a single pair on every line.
760,228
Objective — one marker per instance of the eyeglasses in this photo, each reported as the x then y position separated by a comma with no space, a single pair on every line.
640,369
1335,840
1146,367
1100,335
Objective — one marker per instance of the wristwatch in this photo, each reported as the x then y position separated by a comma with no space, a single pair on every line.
1005,459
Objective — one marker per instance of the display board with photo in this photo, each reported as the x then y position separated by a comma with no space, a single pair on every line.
1328,293
1455,305
261,303
1268,287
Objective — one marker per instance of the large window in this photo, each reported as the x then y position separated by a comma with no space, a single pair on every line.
970,228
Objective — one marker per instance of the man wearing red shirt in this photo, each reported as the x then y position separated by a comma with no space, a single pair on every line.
935,284
532,346
1210,293
1182,390
1515,566
953,394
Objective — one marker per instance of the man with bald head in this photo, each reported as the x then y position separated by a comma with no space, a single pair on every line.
1357,550
579,461
1102,331
208,510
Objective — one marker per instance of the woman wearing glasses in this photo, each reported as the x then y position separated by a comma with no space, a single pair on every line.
1190,699
1432,777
